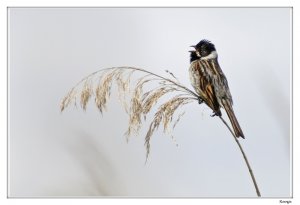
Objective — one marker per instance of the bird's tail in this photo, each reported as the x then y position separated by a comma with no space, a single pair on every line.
234,122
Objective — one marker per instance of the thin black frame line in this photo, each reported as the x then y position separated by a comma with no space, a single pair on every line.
7,104
137,197
292,105
196,7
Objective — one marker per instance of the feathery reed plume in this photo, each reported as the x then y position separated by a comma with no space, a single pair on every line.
137,102
98,85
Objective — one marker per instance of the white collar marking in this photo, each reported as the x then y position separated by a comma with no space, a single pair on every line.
213,55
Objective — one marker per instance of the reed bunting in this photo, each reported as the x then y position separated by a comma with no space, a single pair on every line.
210,83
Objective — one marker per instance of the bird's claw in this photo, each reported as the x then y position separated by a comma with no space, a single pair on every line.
214,114
200,100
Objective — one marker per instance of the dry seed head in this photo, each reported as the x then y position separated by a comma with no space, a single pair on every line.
86,93
150,101
103,90
67,99
141,102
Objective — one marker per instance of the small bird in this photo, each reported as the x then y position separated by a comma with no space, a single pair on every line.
210,83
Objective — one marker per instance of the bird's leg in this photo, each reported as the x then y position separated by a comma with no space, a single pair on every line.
200,100
215,113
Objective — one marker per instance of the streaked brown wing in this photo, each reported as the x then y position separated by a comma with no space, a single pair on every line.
203,84
211,84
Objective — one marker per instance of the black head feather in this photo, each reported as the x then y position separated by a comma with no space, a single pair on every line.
205,47
193,56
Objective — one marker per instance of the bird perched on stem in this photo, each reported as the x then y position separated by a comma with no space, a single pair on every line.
210,83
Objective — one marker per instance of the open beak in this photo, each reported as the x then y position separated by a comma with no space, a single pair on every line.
194,50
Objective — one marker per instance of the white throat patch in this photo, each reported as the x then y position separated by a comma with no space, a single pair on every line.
213,55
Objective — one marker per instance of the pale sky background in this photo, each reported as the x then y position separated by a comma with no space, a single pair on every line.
80,153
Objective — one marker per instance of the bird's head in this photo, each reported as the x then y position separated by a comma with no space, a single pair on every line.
205,49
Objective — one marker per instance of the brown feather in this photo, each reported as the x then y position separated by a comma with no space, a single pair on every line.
211,85
235,124
204,88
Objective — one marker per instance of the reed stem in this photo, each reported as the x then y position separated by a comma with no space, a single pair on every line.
245,158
